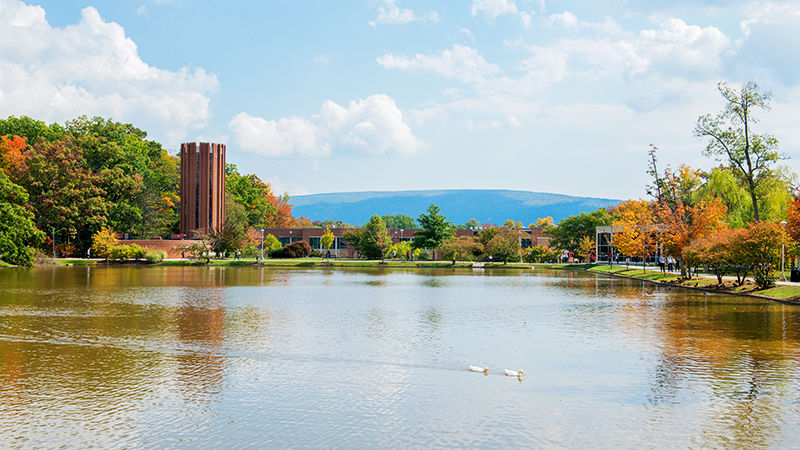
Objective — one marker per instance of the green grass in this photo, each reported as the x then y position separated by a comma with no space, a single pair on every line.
5,264
781,292
76,262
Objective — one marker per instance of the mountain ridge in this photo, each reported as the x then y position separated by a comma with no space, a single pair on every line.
459,205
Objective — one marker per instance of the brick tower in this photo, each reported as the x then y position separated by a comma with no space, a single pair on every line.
202,187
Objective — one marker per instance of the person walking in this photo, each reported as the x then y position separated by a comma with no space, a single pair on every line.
662,264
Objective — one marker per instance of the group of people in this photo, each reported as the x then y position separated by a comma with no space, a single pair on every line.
667,264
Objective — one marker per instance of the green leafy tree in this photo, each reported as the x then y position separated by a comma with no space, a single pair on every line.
435,229
732,138
505,246
372,241
18,232
31,129
471,224
464,248
327,239
271,243
399,221
64,193
571,230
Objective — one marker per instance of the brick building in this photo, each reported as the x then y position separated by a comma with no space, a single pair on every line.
202,187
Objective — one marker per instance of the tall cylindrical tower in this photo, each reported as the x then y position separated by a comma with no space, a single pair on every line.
202,187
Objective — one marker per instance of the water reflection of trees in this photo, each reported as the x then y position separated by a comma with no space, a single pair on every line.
737,353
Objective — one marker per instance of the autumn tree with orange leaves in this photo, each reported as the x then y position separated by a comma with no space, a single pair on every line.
679,223
636,235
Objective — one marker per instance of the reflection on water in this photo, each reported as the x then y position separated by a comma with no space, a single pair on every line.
188,356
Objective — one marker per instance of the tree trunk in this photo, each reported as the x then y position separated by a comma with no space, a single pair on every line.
753,197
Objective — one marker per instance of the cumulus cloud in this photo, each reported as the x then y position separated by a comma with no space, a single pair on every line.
461,62
390,13
675,47
93,68
374,125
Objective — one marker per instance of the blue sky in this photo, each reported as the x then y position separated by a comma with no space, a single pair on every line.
321,96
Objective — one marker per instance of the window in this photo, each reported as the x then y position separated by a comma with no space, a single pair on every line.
339,243
315,243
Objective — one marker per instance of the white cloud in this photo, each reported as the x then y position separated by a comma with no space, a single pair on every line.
675,47
493,8
374,125
93,68
142,11
390,13
565,19
462,63
770,35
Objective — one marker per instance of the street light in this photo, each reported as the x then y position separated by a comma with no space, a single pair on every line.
783,252
262,244
54,242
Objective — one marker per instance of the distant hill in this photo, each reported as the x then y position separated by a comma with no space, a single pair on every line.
459,205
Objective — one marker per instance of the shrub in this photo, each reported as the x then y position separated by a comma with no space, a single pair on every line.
137,252
154,256
120,253
424,255
299,249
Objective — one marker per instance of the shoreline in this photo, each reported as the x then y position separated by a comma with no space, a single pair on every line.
785,294
790,294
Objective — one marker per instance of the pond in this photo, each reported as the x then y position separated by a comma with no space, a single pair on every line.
245,356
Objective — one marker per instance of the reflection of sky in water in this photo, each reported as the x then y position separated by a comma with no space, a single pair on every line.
246,356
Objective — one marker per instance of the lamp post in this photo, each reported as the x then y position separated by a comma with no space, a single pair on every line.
783,252
54,241
262,244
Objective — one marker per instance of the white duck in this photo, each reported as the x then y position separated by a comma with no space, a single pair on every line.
485,370
514,373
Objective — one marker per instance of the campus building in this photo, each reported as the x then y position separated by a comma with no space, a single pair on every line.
202,187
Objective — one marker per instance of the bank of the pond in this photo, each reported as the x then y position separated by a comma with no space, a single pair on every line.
305,262
786,294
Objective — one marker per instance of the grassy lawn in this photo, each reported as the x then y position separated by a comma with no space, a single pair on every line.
781,292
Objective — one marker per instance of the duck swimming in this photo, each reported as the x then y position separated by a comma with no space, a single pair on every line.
485,370
514,373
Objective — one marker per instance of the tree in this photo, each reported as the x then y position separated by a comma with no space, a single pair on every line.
731,137
463,248
327,240
64,193
18,233
103,241
680,224
472,224
263,208
569,232
11,152
636,229
399,221
435,229
585,248
714,251
372,240
761,246
539,254
234,234
544,222
271,244
505,246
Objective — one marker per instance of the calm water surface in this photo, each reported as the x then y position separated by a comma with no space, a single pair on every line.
249,357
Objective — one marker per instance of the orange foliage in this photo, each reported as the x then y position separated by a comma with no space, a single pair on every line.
636,235
12,152
681,225
793,219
